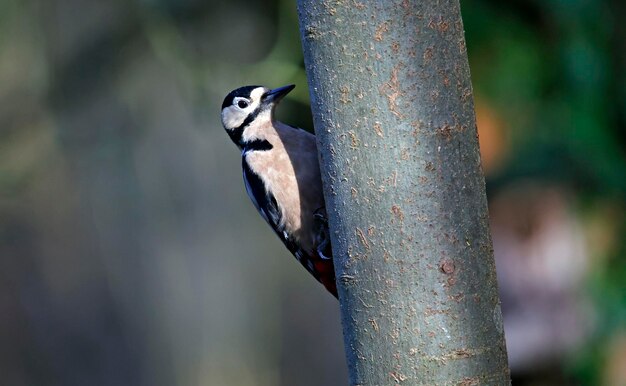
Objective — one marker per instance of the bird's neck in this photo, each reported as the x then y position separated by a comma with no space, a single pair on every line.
259,134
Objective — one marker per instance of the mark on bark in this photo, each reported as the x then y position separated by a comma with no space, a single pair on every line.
331,10
470,381
447,131
439,25
354,141
434,95
344,90
395,209
380,30
416,125
311,33
444,75
430,311
398,377
457,298
395,47
466,95
358,5
462,46
461,353
391,90
394,335
378,129
347,280
362,238
447,267
428,54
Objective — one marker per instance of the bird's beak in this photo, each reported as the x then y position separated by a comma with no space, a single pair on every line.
277,94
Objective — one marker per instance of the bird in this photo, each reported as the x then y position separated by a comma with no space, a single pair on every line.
282,176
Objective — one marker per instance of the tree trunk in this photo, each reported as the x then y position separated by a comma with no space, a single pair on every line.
394,116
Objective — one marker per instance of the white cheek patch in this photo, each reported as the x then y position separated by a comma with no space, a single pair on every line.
233,117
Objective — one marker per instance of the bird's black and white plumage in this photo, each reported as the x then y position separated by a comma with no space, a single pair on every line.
282,177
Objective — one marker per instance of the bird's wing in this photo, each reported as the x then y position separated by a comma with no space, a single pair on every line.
320,262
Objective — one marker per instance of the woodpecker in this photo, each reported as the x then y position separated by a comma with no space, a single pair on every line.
282,176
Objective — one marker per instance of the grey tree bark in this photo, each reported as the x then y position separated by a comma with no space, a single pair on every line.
394,116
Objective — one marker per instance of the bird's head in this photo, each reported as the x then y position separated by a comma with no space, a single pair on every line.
246,104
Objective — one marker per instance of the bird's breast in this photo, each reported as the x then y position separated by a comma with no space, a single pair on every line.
290,184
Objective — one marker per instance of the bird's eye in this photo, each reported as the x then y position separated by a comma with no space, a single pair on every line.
242,104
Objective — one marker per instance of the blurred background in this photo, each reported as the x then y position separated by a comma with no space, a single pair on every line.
130,254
